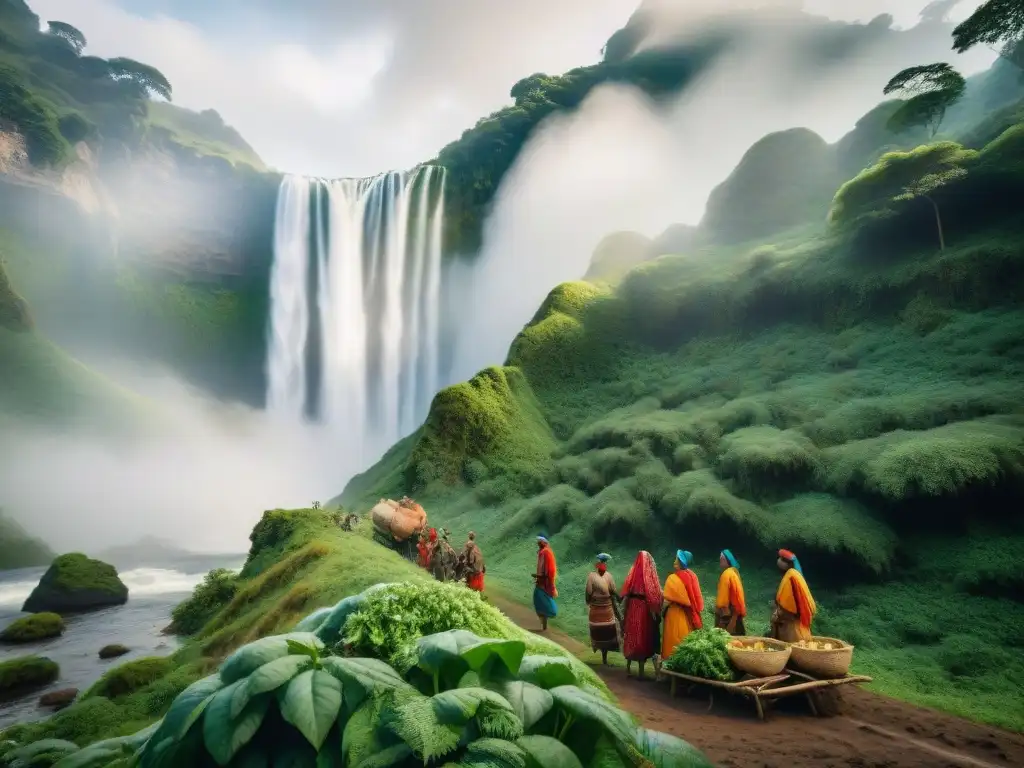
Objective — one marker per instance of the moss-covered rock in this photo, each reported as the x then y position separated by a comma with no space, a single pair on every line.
76,583
25,673
618,253
130,677
30,629
113,650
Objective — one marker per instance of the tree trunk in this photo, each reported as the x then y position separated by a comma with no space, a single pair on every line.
938,223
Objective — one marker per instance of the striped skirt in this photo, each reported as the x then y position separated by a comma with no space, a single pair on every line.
604,629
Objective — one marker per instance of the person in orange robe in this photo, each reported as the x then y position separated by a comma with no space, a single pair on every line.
794,605
683,604
730,603
545,592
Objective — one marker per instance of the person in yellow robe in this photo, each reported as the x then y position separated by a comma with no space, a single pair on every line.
730,602
794,607
683,604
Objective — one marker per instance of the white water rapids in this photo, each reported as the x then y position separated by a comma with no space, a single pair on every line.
354,330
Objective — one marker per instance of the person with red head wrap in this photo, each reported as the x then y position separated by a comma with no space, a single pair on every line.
794,605
641,592
601,598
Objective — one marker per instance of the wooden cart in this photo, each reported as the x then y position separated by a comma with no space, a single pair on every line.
762,690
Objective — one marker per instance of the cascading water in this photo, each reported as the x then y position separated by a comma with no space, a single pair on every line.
358,261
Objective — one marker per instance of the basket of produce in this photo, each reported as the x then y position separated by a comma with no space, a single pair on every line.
758,656
823,657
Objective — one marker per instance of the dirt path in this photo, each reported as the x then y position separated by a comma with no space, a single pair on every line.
871,732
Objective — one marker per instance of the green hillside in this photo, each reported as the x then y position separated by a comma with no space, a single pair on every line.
18,549
849,391
57,95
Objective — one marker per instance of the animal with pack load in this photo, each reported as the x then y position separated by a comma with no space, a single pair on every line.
398,524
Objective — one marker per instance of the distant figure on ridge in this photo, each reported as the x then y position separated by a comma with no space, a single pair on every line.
794,606
423,548
683,604
642,594
601,598
474,562
545,592
730,604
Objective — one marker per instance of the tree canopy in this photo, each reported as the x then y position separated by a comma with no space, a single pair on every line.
149,79
933,88
69,34
992,23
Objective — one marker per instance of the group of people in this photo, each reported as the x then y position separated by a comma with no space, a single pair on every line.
646,620
436,554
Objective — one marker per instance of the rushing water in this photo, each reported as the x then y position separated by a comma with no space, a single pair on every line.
152,593
354,330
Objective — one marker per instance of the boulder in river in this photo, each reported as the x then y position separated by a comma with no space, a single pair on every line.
113,650
75,583
25,673
59,699
31,629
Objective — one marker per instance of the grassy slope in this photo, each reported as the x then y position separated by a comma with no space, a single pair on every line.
854,397
18,549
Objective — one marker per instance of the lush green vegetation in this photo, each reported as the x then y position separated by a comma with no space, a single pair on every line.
216,590
847,389
29,629
17,548
130,677
26,672
55,97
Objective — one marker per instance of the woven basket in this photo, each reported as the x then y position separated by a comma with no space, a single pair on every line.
825,665
760,663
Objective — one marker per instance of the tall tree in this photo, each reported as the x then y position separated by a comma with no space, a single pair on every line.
149,79
69,34
996,23
923,189
932,88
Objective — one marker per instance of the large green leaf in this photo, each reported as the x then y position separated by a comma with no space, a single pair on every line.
365,677
269,677
311,703
493,753
667,751
547,752
330,755
442,651
251,657
101,753
25,755
509,653
223,734
314,621
361,737
547,671
416,723
184,711
586,707
530,702
460,705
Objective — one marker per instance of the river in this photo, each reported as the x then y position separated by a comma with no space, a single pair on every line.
152,593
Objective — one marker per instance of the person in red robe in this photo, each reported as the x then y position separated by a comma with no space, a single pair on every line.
474,560
545,592
641,593
424,551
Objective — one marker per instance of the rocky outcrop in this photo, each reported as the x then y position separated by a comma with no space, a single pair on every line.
58,700
75,583
32,629
113,650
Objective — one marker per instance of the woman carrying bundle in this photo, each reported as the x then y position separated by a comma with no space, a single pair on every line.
794,607
642,594
601,598
683,604
730,603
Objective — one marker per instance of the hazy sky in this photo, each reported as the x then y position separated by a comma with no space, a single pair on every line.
352,87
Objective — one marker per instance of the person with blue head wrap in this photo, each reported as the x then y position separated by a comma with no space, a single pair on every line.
794,605
602,607
730,602
683,604
545,592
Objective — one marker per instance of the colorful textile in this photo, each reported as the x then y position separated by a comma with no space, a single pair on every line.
682,591
547,571
643,598
603,558
789,557
424,553
794,597
729,558
600,599
474,557
544,604
730,595
684,557
475,581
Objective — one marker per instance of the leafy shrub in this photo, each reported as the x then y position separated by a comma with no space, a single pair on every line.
703,653
465,700
216,590
130,677
75,128
27,672
29,629
764,457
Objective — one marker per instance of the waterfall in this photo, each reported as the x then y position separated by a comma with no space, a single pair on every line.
359,262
